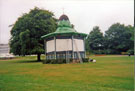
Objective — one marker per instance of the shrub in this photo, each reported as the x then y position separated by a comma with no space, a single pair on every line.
54,61
46,61
124,53
85,59
70,60
61,61
131,51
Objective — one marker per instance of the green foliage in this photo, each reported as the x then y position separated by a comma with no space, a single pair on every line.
25,43
131,51
61,61
131,30
118,38
95,40
28,29
54,61
85,59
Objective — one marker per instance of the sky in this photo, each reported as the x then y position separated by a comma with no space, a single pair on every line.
84,14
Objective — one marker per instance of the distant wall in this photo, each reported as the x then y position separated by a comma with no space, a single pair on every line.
4,48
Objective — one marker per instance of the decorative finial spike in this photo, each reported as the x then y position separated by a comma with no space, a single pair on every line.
63,10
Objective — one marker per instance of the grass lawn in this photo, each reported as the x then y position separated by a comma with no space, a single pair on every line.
109,73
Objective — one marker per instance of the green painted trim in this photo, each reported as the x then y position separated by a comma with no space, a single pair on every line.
64,28
66,33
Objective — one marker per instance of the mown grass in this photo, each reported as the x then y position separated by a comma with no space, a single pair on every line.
109,73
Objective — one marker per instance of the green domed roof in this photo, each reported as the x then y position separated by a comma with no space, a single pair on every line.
64,28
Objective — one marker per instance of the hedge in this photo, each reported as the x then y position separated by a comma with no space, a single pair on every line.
61,61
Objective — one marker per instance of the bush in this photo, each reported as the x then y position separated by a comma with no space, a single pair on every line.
85,60
46,61
100,51
54,61
131,51
112,51
124,53
61,61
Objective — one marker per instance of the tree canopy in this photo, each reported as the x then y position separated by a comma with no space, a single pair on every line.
95,39
28,29
117,39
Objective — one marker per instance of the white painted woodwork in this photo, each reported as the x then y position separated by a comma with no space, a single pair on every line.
65,45
78,45
50,46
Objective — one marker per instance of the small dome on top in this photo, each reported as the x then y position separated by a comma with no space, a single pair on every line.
63,17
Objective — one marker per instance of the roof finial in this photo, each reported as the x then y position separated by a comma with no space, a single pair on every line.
63,10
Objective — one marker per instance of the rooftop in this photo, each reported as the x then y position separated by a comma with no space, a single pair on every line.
64,28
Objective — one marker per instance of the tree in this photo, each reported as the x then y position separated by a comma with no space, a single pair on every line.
118,38
27,31
95,40
131,31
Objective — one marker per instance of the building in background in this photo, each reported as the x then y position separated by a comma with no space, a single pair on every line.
4,51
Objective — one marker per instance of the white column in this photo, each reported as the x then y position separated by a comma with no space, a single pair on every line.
84,48
72,46
54,47
45,47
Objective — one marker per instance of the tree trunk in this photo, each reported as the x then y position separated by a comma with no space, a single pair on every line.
38,57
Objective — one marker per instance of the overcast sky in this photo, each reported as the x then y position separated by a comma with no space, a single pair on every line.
84,14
